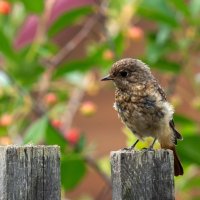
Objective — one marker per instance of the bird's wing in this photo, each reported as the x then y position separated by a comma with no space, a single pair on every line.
156,87
176,133
162,93
171,122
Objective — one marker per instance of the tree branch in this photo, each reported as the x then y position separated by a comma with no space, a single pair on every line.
75,41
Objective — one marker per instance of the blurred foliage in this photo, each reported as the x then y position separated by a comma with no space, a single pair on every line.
41,89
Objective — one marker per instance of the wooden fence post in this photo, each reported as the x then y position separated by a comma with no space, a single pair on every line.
142,175
29,172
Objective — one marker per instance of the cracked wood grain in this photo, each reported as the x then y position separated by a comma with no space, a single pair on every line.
29,172
142,175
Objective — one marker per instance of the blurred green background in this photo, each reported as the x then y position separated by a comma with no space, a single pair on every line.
52,55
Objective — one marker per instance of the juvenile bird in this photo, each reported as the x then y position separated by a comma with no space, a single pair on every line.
142,105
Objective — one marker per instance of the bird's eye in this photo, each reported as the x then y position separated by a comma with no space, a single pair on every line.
124,73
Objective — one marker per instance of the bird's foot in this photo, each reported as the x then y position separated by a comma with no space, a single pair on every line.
149,149
127,149
132,147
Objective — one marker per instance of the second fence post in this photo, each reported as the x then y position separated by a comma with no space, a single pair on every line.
142,175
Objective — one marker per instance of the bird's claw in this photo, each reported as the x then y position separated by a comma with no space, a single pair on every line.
148,149
127,149
151,149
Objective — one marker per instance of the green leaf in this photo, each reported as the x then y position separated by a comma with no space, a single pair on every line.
54,137
36,131
167,66
7,102
47,50
119,44
73,169
117,5
5,46
33,6
189,149
153,54
68,19
3,131
159,45
194,6
163,35
187,126
158,10
22,69
193,182
183,120
81,144
182,6
76,65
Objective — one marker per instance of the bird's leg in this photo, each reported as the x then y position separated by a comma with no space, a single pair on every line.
151,146
132,146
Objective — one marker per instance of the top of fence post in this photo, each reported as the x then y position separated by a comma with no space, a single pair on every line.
142,175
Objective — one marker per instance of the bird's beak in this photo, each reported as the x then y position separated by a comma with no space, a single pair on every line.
107,78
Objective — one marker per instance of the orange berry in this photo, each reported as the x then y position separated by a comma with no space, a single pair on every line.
135,33
108,54
5,7
88,108
50,98
6,120
56,123
73,136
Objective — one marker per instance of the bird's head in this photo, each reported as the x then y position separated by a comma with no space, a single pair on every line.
128,71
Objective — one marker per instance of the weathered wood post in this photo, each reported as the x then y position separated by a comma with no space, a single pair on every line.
29,172
142,175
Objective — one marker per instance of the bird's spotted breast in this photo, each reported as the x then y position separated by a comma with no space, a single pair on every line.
139,111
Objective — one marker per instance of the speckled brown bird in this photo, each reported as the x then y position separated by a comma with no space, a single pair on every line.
142,105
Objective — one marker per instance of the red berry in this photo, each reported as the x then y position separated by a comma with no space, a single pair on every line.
5,7
73,136
56,123
50,98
